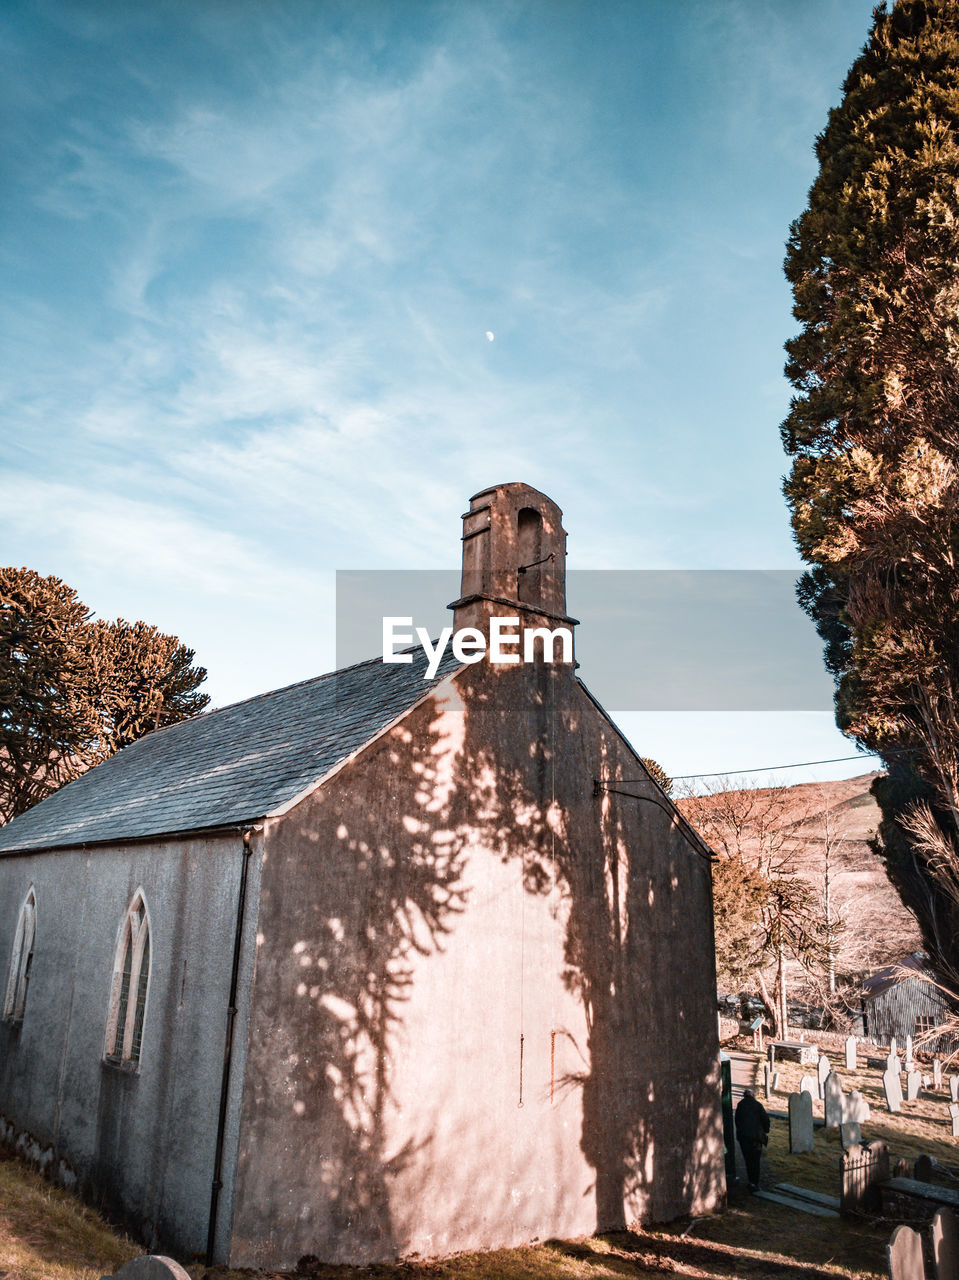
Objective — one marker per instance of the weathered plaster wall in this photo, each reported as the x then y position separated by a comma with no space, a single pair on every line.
139,1141
455,893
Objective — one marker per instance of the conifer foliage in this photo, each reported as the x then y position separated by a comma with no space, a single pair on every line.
873,430
73,689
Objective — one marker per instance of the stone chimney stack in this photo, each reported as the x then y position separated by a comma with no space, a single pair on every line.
514,560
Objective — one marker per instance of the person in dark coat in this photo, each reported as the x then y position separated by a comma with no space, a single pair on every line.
752,1131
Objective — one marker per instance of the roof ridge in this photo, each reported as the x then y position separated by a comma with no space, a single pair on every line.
269,693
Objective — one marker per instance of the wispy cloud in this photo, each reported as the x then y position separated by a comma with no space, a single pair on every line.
253,254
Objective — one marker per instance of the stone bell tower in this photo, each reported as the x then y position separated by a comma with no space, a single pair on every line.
514,560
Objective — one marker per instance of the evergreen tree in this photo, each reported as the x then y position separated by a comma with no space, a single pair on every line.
74,690
874,433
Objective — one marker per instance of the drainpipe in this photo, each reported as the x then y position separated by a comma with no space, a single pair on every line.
228,1050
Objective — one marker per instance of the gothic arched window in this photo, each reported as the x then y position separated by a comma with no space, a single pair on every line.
21,959
131,976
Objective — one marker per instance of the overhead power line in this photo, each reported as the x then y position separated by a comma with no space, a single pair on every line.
767,768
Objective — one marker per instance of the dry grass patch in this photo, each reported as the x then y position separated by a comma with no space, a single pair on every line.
46,1234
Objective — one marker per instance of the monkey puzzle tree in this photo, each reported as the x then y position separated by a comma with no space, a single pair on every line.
874,433
75,690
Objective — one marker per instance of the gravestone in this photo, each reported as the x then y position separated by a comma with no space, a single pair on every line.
923,1169
855,1107
937,1073
954,1113
850,1134
892,1063
810,1085
776,1076
954,1088
893,1047
832,1095
909,1048
151,1266
945,1245
913,1086
850,1053
822,1071
901,1168
893,1087
800,1122
904,1255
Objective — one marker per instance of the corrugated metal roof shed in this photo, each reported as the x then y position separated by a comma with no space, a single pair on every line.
883,979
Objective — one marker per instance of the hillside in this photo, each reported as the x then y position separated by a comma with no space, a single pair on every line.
845,816
879,928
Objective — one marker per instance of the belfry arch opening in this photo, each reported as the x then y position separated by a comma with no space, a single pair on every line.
529,546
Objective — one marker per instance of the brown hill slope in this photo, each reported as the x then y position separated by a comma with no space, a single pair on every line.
835,818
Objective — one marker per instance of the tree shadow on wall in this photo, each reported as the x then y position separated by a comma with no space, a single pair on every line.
638,946
502,758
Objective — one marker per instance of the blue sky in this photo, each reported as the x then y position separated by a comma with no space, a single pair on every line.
252,252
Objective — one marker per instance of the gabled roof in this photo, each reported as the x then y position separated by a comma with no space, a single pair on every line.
230,766
893,974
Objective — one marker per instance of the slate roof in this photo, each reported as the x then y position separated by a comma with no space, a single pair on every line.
229,766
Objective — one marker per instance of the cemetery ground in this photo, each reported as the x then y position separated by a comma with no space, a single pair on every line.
46,1234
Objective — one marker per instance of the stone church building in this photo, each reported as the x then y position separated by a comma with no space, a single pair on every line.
373,965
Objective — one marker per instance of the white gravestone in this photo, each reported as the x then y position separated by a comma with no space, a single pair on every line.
893,1087
800,1123
937,1073
855,1107
810,1085
832,1095
850,1053
908,1052
954,1088
893,1047
892,1062
823,1070
850,1135
954,1113
913,1086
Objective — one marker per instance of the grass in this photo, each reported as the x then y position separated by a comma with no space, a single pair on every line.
46,1234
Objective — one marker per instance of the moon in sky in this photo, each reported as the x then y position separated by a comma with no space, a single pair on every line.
489,336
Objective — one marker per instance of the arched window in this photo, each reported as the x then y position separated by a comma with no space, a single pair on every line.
21,959
131,976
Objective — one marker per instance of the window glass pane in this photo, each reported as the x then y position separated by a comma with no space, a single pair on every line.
141,1001
124,996
20,961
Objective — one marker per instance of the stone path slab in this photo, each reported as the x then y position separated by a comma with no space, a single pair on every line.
803,1193
793,1202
